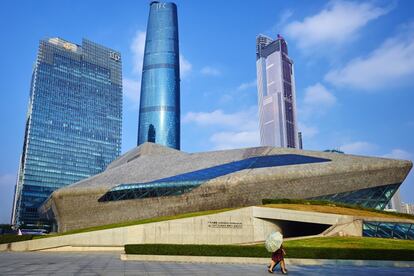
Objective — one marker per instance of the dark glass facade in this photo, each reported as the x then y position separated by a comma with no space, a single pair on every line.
287,71
183,183
265,47
376,197
73,124
159,113
391,230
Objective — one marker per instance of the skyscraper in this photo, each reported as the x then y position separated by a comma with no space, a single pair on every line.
395,202
276,93
159,113
73,122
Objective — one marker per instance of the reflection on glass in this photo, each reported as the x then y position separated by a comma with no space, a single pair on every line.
376,197
183,183
404,231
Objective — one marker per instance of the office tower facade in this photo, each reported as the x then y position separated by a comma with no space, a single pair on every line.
159,113
407,208
300,140
73,124
395,202
276,93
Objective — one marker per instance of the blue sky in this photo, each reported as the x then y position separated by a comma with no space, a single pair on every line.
354,66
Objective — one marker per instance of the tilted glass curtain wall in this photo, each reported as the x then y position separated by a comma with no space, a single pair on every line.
376,197
183,183
159,113
391,230
73,124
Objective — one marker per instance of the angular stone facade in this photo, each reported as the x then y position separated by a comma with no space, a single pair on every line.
79,205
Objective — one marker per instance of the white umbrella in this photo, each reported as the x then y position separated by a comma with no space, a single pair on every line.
274,241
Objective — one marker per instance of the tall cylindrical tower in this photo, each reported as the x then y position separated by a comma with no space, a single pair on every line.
159,113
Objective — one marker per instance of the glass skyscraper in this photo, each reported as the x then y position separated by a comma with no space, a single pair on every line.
73,124
159,113
276,93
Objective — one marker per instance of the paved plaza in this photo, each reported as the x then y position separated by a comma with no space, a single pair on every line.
110,264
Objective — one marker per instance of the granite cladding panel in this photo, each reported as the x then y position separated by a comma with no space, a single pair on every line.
78,207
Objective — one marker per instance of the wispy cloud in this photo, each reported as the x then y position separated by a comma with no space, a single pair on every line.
399,154
317,95
232,139
185,67
390,65
229,130
247,85
336,23
283,18
137,48
359,148
308,131
210,71
131,85
131,88
317,101
241,93
218,118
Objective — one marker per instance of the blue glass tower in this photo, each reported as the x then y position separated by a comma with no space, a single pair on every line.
73,123
159,113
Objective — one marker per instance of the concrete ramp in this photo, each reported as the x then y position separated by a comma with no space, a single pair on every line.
300,216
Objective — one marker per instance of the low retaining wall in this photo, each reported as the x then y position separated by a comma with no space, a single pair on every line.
232,227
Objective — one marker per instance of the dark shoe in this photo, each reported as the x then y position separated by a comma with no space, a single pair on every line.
268,270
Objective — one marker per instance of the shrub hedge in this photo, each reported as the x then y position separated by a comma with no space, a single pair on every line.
8,238
5,227
196,250
260,251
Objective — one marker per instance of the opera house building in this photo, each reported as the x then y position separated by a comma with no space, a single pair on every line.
153,181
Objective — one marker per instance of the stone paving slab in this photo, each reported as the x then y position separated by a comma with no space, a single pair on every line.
36,263
249,260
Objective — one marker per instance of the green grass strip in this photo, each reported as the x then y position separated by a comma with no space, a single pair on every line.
136,222
331,203
352,242
317,248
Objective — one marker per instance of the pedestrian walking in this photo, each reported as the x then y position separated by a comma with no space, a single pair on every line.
274,244
278,257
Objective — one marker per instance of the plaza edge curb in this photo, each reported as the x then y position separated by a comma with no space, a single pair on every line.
250,260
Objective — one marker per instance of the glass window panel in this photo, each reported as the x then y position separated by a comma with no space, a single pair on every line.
183,183
376,197
388,230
